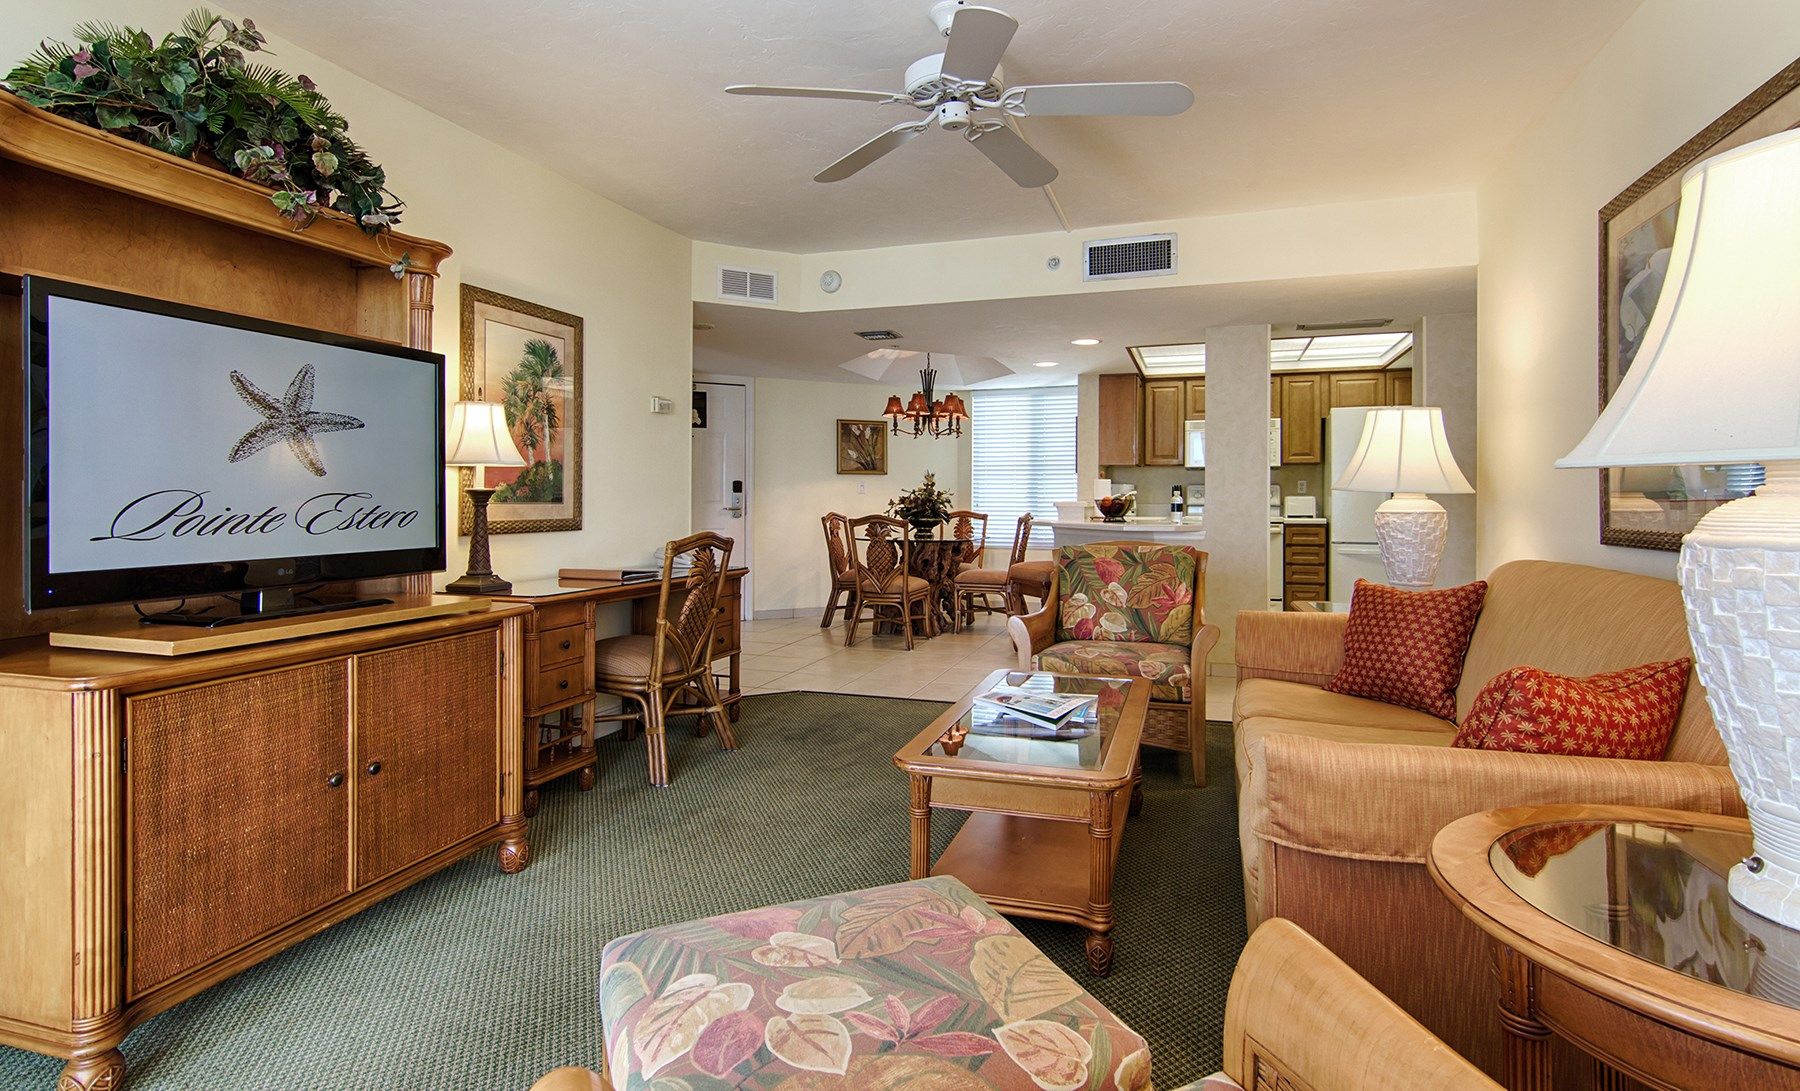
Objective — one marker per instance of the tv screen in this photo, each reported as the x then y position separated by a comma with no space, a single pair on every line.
176,451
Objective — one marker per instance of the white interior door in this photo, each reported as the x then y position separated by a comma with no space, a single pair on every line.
721,468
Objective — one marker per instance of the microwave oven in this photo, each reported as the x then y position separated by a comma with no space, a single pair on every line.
1195,446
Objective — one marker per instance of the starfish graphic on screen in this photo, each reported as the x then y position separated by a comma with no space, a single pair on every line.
290,417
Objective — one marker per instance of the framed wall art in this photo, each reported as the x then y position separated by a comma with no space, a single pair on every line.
1652,507
862,446
527,357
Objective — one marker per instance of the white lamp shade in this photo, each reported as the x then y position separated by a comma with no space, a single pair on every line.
1403,449
476,435
1717,378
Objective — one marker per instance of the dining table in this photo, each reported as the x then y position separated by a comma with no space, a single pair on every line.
936,558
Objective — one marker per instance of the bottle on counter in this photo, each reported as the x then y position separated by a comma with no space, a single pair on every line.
1177,506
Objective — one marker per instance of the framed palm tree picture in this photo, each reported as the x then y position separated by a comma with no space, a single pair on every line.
527,358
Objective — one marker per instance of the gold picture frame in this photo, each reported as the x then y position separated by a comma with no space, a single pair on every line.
1653,507
862,446
527,357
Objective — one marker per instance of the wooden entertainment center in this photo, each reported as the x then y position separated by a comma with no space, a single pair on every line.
167,822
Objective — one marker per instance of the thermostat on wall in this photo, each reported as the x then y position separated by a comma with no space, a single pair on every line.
661,405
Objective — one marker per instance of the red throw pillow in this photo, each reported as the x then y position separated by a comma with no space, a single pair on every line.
1624,714
1407,647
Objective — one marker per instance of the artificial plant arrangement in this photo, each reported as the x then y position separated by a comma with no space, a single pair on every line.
194,95
924,505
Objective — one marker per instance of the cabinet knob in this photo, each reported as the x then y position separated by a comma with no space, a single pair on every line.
564,684
374,767
566,645
335,780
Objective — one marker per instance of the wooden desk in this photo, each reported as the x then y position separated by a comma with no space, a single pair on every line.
559,694
1613,930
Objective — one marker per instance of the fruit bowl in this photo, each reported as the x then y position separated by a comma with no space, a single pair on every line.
1113,509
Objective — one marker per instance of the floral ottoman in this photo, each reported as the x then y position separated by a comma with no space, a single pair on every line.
918,985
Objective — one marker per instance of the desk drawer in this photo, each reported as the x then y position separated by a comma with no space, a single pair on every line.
558,685
557,615
566,644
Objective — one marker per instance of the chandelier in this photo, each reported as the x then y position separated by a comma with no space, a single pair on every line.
928,417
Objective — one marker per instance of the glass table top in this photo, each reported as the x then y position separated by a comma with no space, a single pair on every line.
1657,892
993,736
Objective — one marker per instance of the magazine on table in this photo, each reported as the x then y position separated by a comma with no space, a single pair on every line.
1057,715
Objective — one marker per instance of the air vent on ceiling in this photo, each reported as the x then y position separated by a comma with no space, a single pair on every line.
1137,256
751,285
878,335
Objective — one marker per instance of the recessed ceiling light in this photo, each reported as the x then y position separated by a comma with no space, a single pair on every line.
1048,363
1085,341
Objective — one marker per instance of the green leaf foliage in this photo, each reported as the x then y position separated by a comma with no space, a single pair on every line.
193,94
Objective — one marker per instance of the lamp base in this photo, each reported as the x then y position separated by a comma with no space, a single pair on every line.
1740,581
480,579
478,583
1411,529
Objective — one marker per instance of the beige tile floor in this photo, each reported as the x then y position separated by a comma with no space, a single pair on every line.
795,654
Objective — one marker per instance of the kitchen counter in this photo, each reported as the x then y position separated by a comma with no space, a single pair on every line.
1080,532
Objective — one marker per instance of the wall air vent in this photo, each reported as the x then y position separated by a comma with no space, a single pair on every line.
1137,256
878,335
749,285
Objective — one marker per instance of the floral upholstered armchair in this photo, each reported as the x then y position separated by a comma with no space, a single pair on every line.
1133,610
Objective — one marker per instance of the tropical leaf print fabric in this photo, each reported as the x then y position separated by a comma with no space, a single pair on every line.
1126,593
1169,668
916,985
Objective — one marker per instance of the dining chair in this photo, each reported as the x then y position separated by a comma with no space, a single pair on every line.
976,587
970,527
881,556
843,578
654,670
1025,577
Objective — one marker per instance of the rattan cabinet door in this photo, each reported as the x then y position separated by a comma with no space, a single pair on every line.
427,744
237,813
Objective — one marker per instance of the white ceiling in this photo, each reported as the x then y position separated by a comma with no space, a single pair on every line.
1021,332
1299,102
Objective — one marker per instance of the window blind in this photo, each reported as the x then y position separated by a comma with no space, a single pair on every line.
1021,457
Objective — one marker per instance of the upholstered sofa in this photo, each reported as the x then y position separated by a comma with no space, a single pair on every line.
1130,609
1340,797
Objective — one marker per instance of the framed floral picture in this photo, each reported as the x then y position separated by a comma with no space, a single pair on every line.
1652,507
526,357
862,447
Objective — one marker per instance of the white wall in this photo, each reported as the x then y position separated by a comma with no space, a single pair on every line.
1669,71
519,228
1445,376
796,481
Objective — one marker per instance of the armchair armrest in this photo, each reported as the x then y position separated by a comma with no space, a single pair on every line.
1298,1009
1378,801
1294,647
569,1078
1032,633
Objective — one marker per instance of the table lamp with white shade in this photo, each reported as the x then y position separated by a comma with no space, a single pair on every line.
1717,380
1403,451
477,436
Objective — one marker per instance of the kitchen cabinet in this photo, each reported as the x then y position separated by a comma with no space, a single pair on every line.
1165,403
1120,413
1399,387
1304,578
1196,398
1302,417
1347,389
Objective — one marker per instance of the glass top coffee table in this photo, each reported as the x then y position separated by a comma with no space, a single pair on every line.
1046,812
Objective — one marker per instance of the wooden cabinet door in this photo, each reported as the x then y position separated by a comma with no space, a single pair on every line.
1400,387
426,754
1164,431
1196,399
236,814
1301,419
1355,388
1120,424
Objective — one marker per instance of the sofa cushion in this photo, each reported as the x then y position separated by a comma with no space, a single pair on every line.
1300,702
1621,714
1407,647
1142,593
1169,668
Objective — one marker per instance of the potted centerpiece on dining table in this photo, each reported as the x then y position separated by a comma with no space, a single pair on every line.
925,506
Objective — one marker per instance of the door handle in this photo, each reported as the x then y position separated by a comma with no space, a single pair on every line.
736,513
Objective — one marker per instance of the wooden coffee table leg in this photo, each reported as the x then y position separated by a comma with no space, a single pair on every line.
1100,877
920,809
1527,1043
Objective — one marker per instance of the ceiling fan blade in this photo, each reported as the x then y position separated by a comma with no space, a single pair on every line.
1101,99
978,38
1011,154
812,92
871,151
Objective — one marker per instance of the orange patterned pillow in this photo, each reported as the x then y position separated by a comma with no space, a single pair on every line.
1406,647
1624,714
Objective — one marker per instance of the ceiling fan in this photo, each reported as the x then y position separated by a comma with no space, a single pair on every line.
963,91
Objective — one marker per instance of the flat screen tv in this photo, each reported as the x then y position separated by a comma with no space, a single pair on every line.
179,452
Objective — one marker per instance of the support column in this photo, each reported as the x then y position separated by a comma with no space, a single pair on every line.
1445,377
1237,477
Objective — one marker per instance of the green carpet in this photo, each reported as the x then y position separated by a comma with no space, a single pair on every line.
474,979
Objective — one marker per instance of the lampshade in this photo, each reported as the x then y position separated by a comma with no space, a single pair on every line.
894,408
1718,374
476,435
1403,449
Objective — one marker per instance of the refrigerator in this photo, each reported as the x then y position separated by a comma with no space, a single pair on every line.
1353,553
